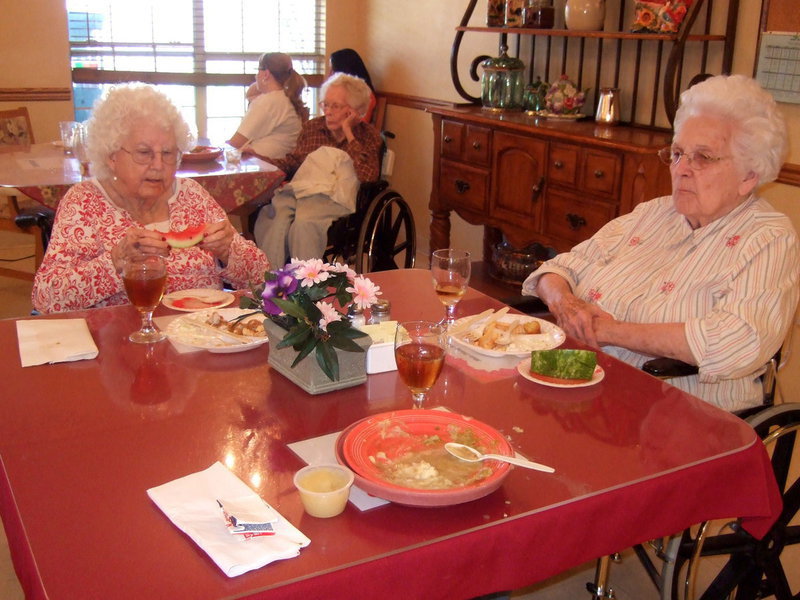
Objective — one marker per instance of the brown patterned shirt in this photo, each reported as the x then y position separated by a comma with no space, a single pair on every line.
364,149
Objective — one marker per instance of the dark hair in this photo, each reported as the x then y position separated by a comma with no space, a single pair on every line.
349,62
280,67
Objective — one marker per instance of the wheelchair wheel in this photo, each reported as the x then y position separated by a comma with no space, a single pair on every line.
750,568
387,239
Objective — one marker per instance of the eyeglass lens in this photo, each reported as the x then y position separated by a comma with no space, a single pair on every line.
144,156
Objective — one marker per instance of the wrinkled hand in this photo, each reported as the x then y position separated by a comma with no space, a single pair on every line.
350,121
578,318
138,242
217,239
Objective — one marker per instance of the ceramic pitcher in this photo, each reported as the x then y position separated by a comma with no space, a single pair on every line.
585,15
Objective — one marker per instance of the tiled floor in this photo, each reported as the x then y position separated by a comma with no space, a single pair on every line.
628,578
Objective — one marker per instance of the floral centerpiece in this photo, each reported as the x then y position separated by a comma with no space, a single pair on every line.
563,98
309,299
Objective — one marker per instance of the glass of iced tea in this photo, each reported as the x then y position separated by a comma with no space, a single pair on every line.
419,349
145,278
451,270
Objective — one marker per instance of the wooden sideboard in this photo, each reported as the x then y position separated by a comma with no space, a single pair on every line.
538,180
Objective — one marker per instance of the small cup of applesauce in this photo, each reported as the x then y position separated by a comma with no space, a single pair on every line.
324,489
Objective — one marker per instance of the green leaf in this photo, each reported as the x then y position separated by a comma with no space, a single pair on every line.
346,344
328,361
296,336
290,308
304,350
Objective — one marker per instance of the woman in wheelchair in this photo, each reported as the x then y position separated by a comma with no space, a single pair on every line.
334,153
708,275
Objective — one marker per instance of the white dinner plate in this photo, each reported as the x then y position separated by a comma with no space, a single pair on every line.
524,369
185,330
552,336
197,299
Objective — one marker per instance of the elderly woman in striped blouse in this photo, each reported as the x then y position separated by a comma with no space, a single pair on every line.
708,275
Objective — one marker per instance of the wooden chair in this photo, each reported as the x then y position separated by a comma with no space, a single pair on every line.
16,134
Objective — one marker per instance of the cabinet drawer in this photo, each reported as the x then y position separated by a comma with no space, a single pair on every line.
462,185
562,166
452,139
468,143
601,172
575,220
476,145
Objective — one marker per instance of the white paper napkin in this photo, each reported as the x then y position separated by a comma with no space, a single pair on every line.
43,341
191,504
322,449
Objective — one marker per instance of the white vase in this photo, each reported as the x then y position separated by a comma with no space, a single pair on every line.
585,15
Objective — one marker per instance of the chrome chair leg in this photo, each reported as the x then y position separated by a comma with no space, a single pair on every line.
599,589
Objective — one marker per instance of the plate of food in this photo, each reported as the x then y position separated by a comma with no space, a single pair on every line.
202,153
400,456
220,331
562,368
500,334
197,299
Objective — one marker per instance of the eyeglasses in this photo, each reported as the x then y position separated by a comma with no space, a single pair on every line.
697,160
334,106
142,156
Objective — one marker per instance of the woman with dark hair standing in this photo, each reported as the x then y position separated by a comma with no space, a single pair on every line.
276,114
349,62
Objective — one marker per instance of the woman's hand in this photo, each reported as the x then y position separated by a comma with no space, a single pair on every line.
351,120
138,241
575,316
217,239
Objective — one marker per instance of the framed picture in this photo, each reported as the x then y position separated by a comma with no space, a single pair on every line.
15,129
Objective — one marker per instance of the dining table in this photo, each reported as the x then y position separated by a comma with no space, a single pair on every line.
81,442
43,173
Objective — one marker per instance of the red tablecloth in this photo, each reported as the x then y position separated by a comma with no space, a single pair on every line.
80,443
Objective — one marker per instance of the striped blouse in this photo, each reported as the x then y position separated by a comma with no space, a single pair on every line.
733,283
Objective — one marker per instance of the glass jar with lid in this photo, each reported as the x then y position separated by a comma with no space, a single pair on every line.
538,14
380,312
502,82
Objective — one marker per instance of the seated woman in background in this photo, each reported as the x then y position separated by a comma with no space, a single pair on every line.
334,153
349,62
708,275
276,114
136,137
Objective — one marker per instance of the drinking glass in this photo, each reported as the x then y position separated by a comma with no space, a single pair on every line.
451,270
145,278
419,349
80,149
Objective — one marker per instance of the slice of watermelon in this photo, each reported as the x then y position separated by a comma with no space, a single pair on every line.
186,238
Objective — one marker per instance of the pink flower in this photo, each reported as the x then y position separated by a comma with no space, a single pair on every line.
310,271
667,287
634,241
593,295
365,293
340,268
329,314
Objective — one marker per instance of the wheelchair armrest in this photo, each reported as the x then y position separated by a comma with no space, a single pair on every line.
666,368
530,305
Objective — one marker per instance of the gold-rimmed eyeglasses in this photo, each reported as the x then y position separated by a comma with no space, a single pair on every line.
144,156
697,160
334,106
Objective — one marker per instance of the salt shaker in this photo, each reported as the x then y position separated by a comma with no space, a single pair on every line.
380,312
356,316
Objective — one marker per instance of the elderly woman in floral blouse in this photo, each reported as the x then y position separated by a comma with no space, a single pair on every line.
708,275
135,140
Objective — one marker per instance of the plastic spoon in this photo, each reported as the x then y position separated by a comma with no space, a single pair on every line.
469,454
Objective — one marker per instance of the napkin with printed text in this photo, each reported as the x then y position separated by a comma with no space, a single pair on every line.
193,503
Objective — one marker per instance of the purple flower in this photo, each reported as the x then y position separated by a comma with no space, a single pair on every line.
282,287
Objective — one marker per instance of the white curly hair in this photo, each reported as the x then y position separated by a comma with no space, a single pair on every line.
760,140
117,112
356,89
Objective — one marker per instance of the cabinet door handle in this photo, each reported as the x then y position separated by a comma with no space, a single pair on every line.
476,145
599,174
536,190
558,164
462,186
447,139
575,221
